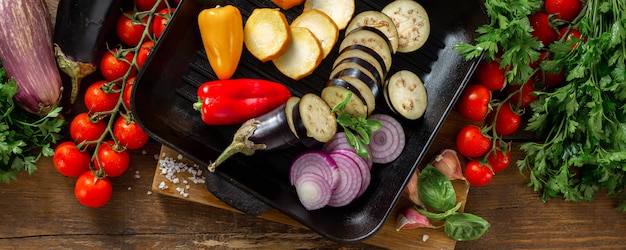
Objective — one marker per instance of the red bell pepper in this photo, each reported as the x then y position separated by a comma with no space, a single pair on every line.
233,101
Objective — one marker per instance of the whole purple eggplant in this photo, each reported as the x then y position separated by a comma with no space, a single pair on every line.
27,56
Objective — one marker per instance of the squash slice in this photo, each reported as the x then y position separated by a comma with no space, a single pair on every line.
341,11
322,26
267,33
303,55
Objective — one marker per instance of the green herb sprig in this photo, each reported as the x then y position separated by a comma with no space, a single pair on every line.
358,130
24,137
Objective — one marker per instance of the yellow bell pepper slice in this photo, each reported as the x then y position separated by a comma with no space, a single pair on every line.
221,29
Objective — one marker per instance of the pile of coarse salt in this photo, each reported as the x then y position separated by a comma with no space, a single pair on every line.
172,168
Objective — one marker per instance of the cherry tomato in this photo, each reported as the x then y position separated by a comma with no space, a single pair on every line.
129,133
490,75
115,64
101,96
93,191
143,5
113,159
524,97
130,29
161,19
478,174
69,160
474,102
499,160
571,35
542,29
83,128
471,142
563,9
507,121
128,91
143,53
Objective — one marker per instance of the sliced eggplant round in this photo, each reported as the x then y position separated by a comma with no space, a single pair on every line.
406,95
364,53
412,23
365,85
337,90
317,118
375,30
291,103
376,41
360,64
378,20
273,130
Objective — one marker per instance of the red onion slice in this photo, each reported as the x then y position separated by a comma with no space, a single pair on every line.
317,162
339,142
349,181
313,191
361,163
387,142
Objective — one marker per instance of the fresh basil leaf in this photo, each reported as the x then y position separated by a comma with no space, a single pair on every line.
465,226
439,216
435,190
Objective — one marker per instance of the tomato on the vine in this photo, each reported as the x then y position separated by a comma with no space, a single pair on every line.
490,75
471,142
83,128
128,91
116,63
478,174
101,96
92,191
506,121
522,98
69,160
563,9
143,5
113,159
161,18
130,28
542,29
499,160
129,133
143,53
474,102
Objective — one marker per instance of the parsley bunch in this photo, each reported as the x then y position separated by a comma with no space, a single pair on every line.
24,137
585,120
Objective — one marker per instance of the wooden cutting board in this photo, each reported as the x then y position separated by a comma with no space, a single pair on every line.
386,237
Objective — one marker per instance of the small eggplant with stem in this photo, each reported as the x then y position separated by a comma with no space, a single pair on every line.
277,129
80,34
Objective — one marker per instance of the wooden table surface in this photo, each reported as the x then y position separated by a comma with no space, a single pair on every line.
41,211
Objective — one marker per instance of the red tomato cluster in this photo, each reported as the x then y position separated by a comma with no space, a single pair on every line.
103,134
488,153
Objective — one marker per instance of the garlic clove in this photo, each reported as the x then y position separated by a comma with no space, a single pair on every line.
409,218
448,163
410,191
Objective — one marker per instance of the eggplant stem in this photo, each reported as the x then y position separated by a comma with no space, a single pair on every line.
75,70
240,144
